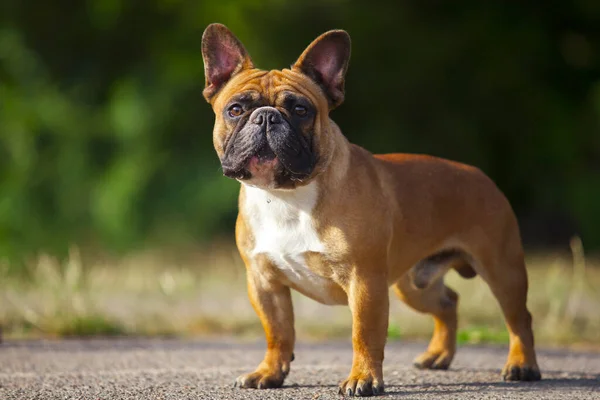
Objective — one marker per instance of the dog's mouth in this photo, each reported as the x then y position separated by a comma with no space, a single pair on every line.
264,154
261,162
263,167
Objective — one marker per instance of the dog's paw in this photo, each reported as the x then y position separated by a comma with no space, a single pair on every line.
516,372
365,385
261,379
434,360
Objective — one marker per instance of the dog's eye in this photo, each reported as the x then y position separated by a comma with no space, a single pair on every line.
235,110
300,111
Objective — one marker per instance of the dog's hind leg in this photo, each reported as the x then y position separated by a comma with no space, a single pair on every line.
441,302
508,282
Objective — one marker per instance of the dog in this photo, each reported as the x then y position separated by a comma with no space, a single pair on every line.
340,225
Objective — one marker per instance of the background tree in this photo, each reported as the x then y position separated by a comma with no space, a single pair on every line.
105,137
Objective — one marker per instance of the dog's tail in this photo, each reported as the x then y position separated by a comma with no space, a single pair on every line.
436,265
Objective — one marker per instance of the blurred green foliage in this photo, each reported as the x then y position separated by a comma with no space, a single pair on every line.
105,137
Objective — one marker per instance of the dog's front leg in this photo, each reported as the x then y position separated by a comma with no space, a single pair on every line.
272,302
369,302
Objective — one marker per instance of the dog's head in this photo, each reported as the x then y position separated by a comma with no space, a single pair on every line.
272,127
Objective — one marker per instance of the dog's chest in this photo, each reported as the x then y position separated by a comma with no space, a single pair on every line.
283,230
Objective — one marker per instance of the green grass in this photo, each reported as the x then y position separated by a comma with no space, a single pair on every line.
204,293
394,331
88,325
481,334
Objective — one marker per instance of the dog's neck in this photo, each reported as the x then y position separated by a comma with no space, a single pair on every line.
335,169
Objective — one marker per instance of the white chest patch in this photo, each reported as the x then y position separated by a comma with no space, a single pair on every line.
281,223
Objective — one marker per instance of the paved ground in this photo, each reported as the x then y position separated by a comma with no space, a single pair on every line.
174,369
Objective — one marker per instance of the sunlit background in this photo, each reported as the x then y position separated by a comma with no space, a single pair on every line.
115,217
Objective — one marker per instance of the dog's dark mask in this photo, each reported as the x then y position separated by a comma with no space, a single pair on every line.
267,132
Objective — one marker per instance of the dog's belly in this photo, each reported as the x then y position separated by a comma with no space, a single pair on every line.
282,227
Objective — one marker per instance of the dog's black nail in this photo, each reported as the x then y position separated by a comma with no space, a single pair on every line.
349,392
514,373
530,374
293,357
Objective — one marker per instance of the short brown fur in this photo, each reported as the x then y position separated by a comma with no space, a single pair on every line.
379,216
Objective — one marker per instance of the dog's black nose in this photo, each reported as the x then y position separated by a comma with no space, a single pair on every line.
266,116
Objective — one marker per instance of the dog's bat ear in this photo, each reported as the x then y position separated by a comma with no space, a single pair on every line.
325,61
224,56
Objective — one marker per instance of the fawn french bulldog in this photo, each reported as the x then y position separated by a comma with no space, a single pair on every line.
329,219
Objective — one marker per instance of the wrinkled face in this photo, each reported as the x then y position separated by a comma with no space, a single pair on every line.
271,126
267,128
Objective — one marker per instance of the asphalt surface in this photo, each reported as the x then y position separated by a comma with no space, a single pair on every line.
176,369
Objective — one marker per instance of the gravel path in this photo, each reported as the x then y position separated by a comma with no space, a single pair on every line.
176,369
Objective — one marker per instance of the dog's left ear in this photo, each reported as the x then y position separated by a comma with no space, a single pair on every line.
325,61
224,56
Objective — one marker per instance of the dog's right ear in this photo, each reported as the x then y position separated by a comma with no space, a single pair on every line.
224,56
